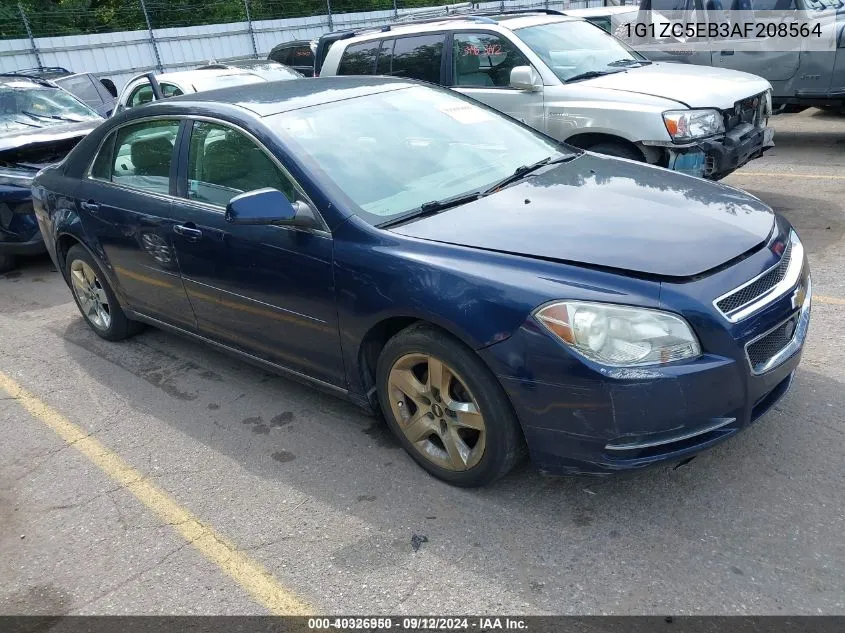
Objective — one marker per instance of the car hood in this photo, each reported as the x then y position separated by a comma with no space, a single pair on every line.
50,133
694,86
612,213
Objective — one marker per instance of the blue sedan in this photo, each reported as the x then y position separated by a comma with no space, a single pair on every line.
488,290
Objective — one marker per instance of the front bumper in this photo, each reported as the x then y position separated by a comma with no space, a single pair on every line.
19,232
580,418
715,158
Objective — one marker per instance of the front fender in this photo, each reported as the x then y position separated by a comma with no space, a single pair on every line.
632,121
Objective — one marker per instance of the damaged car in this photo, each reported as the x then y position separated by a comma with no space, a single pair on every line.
572,80
39,124
487,289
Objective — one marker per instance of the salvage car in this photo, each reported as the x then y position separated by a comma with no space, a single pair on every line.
99,94
483,286
264,68
298,54
39,124
573,81
149,87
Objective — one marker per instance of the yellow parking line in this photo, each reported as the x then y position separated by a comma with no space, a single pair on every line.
831,300
765,174
249,574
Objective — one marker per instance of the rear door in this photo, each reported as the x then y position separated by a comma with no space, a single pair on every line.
480,67
125,204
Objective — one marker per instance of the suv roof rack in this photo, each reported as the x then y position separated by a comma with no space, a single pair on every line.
461,11
38,80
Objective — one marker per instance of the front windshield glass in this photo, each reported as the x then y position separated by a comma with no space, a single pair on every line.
571,49
31,107
391,152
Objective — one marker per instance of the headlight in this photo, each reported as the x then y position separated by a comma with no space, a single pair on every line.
620,336
685,125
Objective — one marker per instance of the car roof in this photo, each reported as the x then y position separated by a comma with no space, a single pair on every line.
460,23
273,97
597,11
189,76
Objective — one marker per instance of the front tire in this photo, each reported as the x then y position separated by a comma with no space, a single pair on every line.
447,408
619,150
95,298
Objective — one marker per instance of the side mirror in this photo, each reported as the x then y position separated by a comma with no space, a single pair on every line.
525,78
269,206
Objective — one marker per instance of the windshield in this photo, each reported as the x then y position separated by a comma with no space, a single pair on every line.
571,49
33,107
394,151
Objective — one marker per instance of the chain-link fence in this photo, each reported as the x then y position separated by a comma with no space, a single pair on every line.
119,38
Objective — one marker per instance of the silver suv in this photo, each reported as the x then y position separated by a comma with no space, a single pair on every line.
575,82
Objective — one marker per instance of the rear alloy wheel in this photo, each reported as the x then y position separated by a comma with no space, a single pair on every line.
90,295
95,298
447,408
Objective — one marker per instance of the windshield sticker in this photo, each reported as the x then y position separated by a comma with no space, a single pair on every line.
474,50
466,113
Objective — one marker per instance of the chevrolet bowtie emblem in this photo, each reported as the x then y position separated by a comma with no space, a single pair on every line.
798,296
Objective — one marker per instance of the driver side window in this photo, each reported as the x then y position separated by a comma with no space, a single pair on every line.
222,163
484,60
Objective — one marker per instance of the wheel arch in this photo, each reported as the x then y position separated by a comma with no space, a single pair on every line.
586,140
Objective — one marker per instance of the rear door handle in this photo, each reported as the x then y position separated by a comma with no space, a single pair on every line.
90,206
189,232
726,53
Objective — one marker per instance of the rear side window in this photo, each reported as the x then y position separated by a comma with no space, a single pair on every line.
142,155
81,86
359,59
417,57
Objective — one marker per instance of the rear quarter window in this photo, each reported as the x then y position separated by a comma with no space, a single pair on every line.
359,59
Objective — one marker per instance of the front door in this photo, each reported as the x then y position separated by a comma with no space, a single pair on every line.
265,290
125,205
481,68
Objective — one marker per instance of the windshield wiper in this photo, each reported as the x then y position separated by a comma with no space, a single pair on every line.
629,62
432,207
57,117
591,74
523,170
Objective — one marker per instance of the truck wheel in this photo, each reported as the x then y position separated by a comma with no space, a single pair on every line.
616,149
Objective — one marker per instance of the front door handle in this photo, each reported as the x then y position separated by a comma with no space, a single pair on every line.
189,231
726,53
90,206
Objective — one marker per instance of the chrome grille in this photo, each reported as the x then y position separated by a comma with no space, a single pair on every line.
758,287
763,349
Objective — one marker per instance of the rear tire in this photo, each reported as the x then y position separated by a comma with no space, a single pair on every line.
95,298
447,408
619,150
7,263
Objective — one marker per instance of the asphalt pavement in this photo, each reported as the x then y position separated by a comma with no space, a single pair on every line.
158,476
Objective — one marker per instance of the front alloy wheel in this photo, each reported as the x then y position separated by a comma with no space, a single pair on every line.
92,298
447,408
437,412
